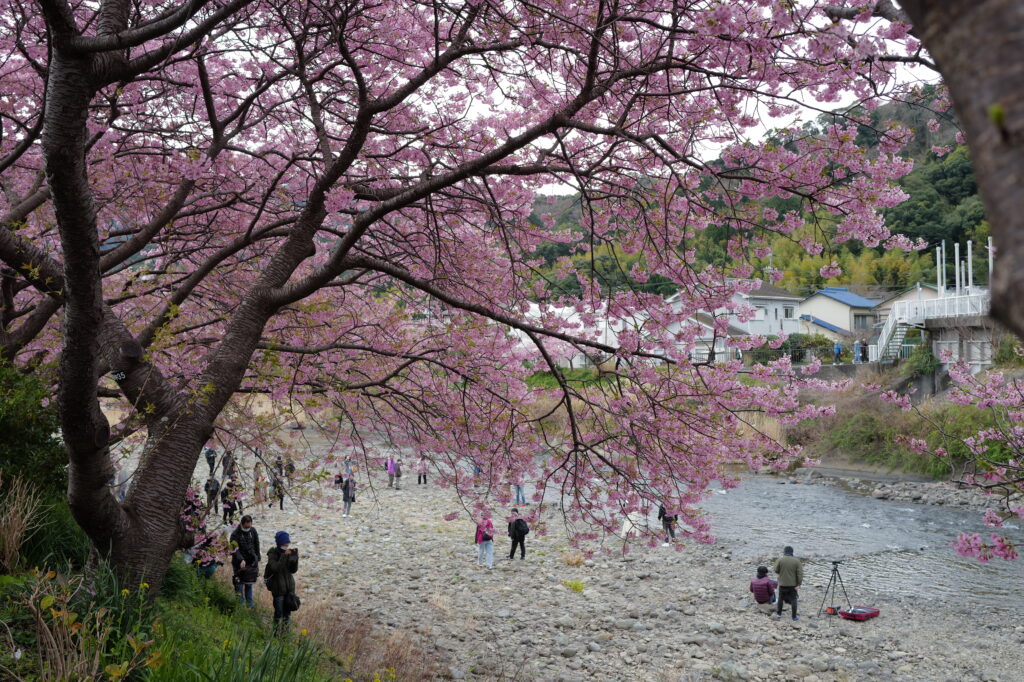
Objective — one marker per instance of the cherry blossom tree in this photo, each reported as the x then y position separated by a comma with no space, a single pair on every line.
327,202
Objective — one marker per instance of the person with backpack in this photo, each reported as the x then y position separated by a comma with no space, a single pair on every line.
279,577
485,541
348,495
245,560
518,530
668,524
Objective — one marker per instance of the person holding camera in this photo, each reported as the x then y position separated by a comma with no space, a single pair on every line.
791,576
245,560
282,564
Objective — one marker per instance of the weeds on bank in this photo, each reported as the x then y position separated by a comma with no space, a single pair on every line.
573,559
576,586
20,509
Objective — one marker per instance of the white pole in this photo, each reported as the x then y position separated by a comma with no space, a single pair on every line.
956,266
945,259
990,262
970,270
938,270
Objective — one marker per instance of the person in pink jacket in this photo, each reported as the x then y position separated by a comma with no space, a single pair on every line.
391,471
485,541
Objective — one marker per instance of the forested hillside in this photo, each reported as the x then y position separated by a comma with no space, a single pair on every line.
942,204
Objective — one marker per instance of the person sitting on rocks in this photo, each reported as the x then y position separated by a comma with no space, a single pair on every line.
763,587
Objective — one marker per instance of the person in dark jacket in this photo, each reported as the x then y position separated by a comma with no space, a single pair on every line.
245,560
763,587
211,458
668,523
398,474
791,576
277,492
229,500
517,530
348,495
282,564
212,487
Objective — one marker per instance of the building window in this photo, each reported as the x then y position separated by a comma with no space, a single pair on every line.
776,311
862,321
787,312
761,313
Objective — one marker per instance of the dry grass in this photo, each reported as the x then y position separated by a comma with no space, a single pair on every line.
19,520
573,558
440,601
365,650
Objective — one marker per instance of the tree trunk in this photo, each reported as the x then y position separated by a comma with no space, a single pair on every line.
978,45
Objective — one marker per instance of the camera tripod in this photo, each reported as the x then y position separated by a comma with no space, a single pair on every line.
835,580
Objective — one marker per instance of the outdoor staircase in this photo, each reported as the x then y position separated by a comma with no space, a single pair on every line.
908,314
891,351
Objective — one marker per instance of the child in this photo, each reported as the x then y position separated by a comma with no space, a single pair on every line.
763,587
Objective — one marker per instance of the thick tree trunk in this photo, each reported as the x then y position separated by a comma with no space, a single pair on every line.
978,46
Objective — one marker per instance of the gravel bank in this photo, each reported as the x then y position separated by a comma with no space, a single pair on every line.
655,614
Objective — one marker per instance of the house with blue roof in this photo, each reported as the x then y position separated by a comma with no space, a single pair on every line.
839,314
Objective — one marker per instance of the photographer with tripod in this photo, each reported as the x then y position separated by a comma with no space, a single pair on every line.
791,576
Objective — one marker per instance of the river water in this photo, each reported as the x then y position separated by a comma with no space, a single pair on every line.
888,549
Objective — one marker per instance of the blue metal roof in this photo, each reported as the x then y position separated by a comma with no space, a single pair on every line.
846,296
826,325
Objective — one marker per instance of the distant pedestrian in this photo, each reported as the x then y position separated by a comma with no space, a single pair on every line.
245,560
228,464
348,495
277,492
289,471
668,525
390,468
348,466
282,564
211,459
212,487
791,576
259,485
398,474
421,471
518,485
856,350
837,351
864,350
229,500
518,529
763,587
485,541
279,466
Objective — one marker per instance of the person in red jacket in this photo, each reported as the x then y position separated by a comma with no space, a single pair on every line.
763,587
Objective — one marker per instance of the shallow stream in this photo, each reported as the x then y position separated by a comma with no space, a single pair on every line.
889,549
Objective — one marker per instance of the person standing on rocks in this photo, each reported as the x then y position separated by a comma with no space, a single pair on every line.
348,495
259,491
278,492
282,564
212,487
398,474
245,560
485,541
421,470
390,468
517,530
211,458
791,576
668,524
229,500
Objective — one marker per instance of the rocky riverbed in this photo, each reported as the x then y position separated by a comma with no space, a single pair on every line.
653,614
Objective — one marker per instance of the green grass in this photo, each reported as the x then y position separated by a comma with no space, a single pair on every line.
572,376
576,586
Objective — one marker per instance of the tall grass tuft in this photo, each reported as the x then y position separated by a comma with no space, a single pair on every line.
19,520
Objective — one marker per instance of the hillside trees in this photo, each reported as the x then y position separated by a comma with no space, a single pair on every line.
328,202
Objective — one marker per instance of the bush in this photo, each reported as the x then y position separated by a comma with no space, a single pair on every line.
572,376
29,425
1009,352
922,362
19,520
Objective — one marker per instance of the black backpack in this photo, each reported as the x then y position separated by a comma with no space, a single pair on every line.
268,577
521,528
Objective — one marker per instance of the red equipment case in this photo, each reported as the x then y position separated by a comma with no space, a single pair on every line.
859,613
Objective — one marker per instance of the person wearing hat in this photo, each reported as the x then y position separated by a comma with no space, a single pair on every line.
791,576
763,587
245,560
282,564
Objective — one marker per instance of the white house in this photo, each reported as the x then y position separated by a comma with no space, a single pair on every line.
839,314
918,292
778,311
